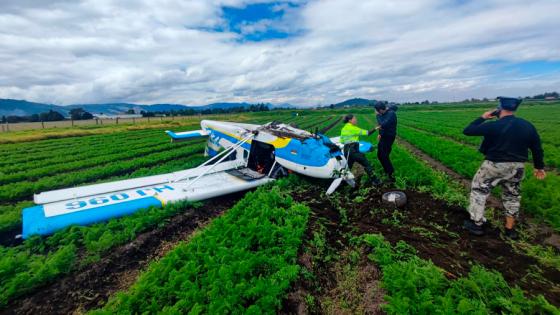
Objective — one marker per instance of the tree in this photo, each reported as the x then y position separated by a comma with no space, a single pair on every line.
51,115
80,114
130,111
4,120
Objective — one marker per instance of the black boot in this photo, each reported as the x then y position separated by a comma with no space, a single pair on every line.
375,181
511,234
473,228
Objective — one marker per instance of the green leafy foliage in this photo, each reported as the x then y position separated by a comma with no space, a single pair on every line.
417,286
243,262
40,260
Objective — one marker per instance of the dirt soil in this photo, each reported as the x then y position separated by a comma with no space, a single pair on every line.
339,283
330,126
92,286
433,227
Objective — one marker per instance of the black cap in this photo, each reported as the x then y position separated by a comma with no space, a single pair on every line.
348,117
380,106
509,103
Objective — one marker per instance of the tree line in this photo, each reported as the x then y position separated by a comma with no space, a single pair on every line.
190,111
51,115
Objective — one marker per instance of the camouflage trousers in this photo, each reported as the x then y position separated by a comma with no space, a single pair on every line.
491,174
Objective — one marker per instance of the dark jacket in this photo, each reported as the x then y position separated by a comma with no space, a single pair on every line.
508,140
388,123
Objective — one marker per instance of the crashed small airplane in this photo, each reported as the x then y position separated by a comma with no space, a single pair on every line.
243,156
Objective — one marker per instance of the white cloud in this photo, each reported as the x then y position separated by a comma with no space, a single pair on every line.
164,51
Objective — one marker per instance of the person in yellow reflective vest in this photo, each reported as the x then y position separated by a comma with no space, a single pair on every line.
350,137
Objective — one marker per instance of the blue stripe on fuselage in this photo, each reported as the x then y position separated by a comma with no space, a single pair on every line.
35,221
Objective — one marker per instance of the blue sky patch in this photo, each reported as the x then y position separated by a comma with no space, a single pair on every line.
260,21
534,67
527,68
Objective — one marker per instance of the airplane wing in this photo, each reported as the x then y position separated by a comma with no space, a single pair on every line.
186,134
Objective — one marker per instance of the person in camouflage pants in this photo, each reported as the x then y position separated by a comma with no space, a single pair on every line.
490,174
506,146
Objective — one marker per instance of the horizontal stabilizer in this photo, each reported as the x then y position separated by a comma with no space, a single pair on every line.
186,134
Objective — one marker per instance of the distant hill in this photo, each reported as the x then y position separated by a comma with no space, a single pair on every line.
10,107
355,102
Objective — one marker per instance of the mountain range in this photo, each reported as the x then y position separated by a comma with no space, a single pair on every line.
11,107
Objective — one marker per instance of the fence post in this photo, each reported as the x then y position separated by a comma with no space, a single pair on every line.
117,120
148,118
43,124
7,126
96,121
133,121
2,127
72,122
161,118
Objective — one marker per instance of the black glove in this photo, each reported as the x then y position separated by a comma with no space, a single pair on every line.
372,131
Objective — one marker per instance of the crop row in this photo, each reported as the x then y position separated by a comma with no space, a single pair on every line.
539,198
78,147
412,173
21,190
453,127
60,144
243,262
417,286
76,153
101,157
552,152
460,119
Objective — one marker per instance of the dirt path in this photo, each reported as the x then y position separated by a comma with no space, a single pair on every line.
446,137
434,228
91,287
330,126
435,164
337,282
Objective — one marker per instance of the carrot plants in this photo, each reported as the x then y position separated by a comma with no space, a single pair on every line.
243,262
417,286
39,261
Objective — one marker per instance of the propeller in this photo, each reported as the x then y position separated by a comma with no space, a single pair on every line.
334,185
344,174
348,177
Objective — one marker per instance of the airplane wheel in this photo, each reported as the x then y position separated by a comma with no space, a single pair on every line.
395,198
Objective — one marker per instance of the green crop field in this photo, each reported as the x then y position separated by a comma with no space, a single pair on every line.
285,247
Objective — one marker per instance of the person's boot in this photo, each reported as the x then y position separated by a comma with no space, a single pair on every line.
510,232
375,181
473,228
390,179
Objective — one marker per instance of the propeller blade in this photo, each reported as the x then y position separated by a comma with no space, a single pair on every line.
334,185
351,182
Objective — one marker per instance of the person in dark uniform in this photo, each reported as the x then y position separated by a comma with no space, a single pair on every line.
387,125
349,136
505,146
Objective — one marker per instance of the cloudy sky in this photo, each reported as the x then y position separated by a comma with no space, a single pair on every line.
299,52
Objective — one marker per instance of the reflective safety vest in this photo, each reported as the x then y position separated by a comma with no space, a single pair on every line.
351,133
